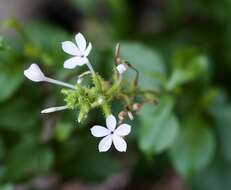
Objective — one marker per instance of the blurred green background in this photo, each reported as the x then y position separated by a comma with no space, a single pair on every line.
182,49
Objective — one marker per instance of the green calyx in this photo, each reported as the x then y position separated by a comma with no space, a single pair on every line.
86,98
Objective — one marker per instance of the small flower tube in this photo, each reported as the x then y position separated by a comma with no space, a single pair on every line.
35,74
54,109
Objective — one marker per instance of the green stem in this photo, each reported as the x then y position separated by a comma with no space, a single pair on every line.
114,87
106,109
97,83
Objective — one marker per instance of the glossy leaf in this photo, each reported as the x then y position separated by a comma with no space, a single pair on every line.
194,147
63,130
12,118
158,127
3,45
187,65
148,62
10,81
221,112
28,159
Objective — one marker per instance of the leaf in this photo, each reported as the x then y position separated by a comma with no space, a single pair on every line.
45,43
10,81
158,126
26,159
2,148
221,112
85,5
7,186
63,130
148,62
215,177
194,147
87,162
3,45
13,118
187,65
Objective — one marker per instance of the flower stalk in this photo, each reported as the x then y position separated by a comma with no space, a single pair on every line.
50,80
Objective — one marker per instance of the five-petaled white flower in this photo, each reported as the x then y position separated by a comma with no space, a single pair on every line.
80,51
111,135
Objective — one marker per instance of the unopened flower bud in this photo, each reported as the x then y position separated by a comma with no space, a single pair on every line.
54,109
34,73
121,68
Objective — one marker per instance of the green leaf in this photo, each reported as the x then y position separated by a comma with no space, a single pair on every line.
194,147
221,113
26,159
224,132
158,126
94,166
10,81
45,44
2,148
63,130
13,118
148,62
215,177
7,186
87,163
3,45
86,5
187,65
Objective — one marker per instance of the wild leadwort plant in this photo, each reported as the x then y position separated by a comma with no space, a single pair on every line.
99,94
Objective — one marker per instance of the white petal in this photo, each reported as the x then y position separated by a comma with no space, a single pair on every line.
34,73
88,50
105,143
54,109
70,48
81,42
119,143
99,131
121,68
111,122
123,130
75,61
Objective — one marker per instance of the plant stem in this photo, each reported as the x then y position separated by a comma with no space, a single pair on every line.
106,109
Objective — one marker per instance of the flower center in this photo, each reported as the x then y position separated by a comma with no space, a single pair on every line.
82,56
112,132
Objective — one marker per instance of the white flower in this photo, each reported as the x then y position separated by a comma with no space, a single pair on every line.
111,135
80,51
121,68
34,73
